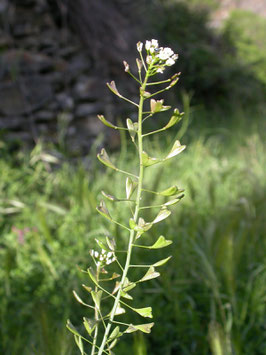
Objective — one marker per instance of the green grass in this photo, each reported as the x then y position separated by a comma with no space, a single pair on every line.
211,296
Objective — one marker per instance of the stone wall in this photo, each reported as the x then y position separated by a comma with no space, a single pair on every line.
48,79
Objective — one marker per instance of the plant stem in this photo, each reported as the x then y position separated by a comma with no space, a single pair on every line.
136,213
96,318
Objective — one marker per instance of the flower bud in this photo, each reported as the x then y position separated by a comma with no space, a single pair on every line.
126,65
139,46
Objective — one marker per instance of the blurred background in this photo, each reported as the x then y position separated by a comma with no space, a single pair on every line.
55,58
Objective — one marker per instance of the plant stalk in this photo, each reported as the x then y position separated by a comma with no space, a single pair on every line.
136,213
94,344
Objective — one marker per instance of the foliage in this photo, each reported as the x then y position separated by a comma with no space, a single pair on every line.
246,32
218,235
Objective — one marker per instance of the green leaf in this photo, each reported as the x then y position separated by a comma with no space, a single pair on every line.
102,209
145,328
160,243
144,312
150,274
104,159
176,149
173,190
89,325
71,327
161,262
113,88
132,129
163,214
148,161
96,296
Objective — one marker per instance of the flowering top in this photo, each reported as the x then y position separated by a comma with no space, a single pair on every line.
158,57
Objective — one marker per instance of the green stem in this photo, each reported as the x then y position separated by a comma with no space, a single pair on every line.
136,213
94,343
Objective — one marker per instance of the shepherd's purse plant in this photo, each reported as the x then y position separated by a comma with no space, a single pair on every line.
110,291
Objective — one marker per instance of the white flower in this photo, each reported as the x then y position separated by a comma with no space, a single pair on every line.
139,46
148,45
165,53
103,258
160,69
151,45
170,62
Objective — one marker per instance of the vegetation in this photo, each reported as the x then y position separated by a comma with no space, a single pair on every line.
211,295
215,285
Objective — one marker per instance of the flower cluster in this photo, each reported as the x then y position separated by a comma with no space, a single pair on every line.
160,57
103,258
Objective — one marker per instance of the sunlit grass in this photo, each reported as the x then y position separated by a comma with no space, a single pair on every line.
214,298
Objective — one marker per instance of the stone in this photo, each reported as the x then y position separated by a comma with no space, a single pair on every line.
84,110
65,101
88,88
24,95
12,122
44,116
